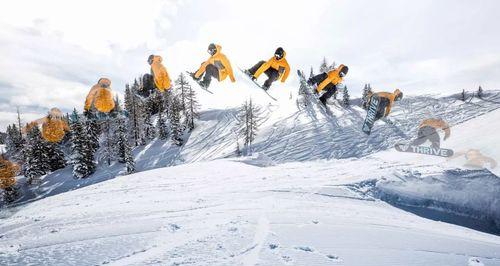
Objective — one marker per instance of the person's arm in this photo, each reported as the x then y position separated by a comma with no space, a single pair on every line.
286,73
202,68
90,97
262,68
447,131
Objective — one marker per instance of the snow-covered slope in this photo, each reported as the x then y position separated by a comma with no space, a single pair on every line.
317,192
228,212
292,130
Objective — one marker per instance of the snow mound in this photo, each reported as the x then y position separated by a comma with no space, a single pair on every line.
259,159
467,193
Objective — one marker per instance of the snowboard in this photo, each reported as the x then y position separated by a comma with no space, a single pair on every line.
371,114
247,74
303,82
426,150
191,74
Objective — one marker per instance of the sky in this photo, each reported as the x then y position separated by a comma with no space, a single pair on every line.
53,51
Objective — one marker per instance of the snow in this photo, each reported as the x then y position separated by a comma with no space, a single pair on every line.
227,212
316,191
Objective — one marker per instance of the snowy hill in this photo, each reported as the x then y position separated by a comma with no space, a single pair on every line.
293,130
235,212
317,192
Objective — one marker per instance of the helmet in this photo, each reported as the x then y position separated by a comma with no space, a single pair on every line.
212,49
343,71
150,59
398,95
280,53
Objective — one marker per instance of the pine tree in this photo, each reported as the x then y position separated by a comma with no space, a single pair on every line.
13,141
55,156
346,98
124,152
108,141
238,150
332,66
480,92
36,158
182,86
462,97
191,107
161,127
134,110
311,74
148,128
175,123
324,68
367,90
82,151
248,122
93,132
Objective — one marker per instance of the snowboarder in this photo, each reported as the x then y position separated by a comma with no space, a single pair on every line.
328,81
8,172
475,159
427,130
159,73
54,126
275,68
217,66
386,99
100,97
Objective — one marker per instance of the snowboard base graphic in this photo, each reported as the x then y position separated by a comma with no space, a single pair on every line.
371,114
426,150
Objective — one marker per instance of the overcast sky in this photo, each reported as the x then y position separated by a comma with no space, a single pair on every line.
52,52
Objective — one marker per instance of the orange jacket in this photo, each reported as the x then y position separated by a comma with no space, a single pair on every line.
160,74
220,61
387,95
280,65
100,97
8,171
437,124
54,129
333,77
56,116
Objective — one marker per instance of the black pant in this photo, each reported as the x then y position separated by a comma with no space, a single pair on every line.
211,71
330,88
427,133
271,73
383,102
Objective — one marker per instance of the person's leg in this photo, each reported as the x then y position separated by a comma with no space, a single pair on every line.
421,137
433,137
272,75
210,71
383,102
256,67
317,79
330,90
427,133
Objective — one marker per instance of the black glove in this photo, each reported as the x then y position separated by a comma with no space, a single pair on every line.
310,82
